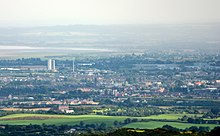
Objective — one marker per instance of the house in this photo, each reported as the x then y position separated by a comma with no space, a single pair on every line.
65,109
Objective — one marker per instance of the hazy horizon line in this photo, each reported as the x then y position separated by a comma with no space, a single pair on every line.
59,25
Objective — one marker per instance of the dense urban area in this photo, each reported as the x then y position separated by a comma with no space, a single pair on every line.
121,91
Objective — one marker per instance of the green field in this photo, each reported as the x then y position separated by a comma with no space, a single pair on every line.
26,119
158,124
212,119
171,116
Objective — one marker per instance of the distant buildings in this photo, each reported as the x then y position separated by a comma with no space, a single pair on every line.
51,65
73,65
65,109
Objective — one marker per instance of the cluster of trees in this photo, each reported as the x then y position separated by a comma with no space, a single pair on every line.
184,102
213,113
133,111
48,130
126,121
23,61
100,130
165,131
199,120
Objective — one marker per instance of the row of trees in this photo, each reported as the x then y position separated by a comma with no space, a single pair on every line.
198,120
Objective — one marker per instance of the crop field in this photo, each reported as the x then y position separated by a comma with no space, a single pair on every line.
158,124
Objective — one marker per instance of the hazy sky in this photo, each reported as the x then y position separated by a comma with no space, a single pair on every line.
64,12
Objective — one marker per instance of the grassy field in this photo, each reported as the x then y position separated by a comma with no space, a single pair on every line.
212,119
158,124
171,116
26,119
